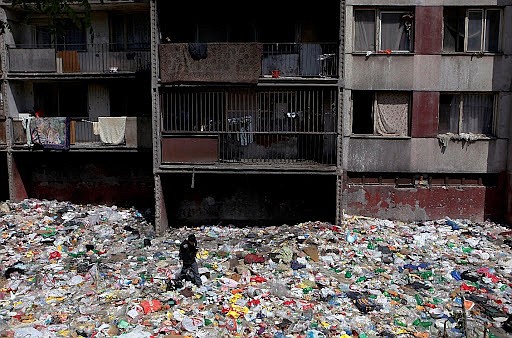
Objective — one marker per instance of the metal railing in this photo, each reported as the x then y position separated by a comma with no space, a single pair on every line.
300,59
82,134
258,124
82,58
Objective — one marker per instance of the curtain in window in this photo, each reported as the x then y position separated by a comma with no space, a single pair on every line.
391,115
394,36
364,30
477,113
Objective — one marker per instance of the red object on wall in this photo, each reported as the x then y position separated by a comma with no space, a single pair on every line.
428,30
425,114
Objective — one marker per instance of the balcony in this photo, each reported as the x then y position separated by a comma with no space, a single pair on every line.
85,59
255,125
80,133
246,62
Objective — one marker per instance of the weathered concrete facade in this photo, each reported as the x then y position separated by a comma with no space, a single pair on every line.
427,72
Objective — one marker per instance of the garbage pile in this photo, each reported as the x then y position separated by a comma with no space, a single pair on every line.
72,270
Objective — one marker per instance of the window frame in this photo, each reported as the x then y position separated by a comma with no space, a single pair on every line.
374,97
460,109
484,36
378,28
125,20
56,37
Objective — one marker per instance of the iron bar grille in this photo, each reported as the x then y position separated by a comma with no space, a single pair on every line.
257,124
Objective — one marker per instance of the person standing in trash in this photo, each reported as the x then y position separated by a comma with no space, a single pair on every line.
188,251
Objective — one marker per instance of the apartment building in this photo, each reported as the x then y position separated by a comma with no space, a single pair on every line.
426,114
92,85
267,112
246,100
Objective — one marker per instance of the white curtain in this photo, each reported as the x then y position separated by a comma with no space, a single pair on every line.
394,36
477,113
364,30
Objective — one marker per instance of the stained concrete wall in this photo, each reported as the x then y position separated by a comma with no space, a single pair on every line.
122,179
248,199
476,203
426,73
426,155
429,72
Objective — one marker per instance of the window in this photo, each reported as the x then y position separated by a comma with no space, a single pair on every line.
129,32
466,113
383,30
68,99
65,35
472,30
380,113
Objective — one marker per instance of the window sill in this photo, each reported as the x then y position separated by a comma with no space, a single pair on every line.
463,137
382,53
470,137
394,137
473,54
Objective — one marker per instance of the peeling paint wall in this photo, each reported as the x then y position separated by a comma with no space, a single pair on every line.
419,204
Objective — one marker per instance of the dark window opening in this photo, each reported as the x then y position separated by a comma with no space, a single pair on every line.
362,112
65,35
68,99
129,32
126,99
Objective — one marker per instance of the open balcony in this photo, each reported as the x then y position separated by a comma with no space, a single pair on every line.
83,59
246,62
66,133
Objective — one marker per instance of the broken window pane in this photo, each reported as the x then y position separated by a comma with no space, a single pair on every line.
364,30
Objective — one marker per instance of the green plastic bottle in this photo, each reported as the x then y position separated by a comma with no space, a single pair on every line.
419,299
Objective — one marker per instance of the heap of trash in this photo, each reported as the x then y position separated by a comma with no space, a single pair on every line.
71,270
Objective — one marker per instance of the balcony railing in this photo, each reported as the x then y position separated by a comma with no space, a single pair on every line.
252,125
300,60
80,59
246,62
83,134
